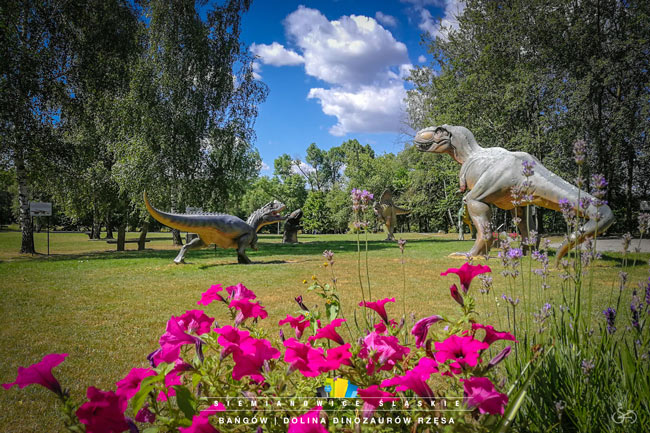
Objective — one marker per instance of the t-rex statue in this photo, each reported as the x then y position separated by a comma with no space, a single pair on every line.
226,231
387,212
291,227
491,173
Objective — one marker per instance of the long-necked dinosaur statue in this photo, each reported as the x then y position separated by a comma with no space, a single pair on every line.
387,212
491,173
226,231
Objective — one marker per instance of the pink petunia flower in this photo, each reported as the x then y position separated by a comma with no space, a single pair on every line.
415,380
171,341
329,332
336,357
463,350
40,374
210,295
298,323
171,380
250,360
379,307
455,295
311,422
195,322
382,352
303,357
231,339
372,397
104,413
480,393
466,273
239,292
130,385
247,309
491,335
145,415
201,422
380,328
421,329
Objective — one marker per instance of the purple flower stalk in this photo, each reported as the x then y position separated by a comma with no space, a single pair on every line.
610,316
579,149
527,168
568,210
598,185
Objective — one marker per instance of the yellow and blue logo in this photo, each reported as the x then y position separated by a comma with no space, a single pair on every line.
338,388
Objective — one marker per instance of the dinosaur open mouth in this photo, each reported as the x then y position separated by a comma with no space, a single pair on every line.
428,139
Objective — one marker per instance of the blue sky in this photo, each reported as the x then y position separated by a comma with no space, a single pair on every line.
336,69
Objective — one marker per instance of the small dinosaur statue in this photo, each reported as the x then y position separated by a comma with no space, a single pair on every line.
387,212
226,231
291,227
491,173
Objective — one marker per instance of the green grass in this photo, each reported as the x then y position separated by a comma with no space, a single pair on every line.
107,309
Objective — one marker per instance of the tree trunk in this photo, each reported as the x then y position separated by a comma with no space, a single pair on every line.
121,237
176,234
109,226
143,236
27,243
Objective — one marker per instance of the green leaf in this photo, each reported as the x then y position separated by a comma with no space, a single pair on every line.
185,401
146,386
151,430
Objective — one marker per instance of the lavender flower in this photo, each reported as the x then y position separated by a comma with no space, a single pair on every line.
329,256
598,189
401,243
647,293
644,223
610,316
627,239
579,149
515,253
587,366
527,168
568,210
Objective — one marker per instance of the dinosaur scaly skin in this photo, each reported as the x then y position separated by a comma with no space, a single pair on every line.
226,231
490,173
387,212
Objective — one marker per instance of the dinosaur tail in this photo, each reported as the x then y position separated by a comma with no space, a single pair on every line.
175,221
400,211
600,218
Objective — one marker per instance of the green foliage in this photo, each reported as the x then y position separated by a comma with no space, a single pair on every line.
315,213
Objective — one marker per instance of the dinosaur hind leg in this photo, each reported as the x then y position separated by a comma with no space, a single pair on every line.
243,242
481,215
194,244
599,221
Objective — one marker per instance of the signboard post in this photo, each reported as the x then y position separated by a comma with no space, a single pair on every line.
39,209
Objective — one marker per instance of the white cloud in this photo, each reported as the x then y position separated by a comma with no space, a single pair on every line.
276,54
265,166
367,109
387,20
352,50
304,168
422,59
257,68
440,27
360,60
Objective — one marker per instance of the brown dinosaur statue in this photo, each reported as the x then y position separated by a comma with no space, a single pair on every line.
490,174
387,212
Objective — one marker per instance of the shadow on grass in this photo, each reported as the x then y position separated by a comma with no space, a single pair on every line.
309,248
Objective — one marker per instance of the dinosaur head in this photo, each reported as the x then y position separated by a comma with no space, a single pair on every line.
267,214
435,139
295,216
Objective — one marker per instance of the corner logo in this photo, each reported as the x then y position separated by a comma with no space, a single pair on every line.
337,388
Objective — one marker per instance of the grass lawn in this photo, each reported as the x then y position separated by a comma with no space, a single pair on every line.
107,309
